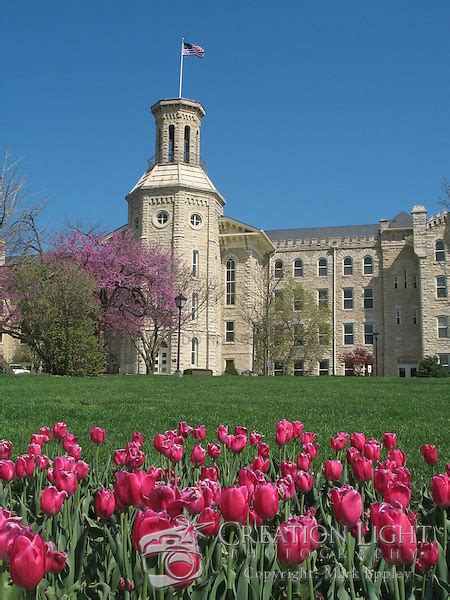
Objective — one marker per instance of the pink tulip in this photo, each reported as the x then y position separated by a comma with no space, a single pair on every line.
105,503
209,520
59,430
347,505
265,500
396,535
333,470
284,432
24,466
362,469
199,432
137,438
303,482
52,500
357,440
389,440
255,438
234,504
7,470
397,492
338,442
98,435
27,561
440,487
198,455
5,449
214,451
429,453
304,461
427,556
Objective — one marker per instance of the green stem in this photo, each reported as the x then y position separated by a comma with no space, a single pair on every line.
302,503
310,579
424,583
394,577
145,581
229,562
97,474
402,585
350,566
261,567
289,586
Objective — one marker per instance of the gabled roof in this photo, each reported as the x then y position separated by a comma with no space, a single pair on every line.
176,175
401,221
232,228
322,233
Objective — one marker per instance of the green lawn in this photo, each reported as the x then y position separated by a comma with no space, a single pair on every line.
417,409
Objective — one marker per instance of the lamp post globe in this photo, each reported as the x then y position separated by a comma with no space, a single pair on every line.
180,302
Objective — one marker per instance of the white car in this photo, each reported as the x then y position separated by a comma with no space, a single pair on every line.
19,370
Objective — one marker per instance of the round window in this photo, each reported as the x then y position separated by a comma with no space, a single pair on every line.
162,217
196,220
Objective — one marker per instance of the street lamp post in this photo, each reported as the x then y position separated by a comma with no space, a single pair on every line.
180,302
375,339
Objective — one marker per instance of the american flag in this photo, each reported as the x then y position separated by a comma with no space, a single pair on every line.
192,50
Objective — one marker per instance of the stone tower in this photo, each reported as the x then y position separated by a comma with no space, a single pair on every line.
175,204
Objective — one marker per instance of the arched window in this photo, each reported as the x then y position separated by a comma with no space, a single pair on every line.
194,307
195,263
278,272
348,266
323,267
230,282
298,268
171,153
194,352
187,144
440,250
368,265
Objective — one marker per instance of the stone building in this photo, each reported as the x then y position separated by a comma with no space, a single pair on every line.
385,284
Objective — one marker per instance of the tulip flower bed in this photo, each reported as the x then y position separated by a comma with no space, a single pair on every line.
221,514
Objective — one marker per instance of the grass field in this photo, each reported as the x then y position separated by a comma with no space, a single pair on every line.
417,409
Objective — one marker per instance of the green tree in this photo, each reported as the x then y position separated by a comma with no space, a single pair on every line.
298,327
430,366
53,310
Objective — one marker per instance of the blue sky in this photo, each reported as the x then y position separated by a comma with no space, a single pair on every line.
318,112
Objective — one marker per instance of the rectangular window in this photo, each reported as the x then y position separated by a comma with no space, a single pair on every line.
229,363
229,332
415,317
194,307
405,278
443,361
368,333
441,286
323,335
395,282
415,281
195,263
398,316
323,297
349,371
442,327
297,304
278,368
324,366
230,298
348,334
402,372
368,297
298,368
348,298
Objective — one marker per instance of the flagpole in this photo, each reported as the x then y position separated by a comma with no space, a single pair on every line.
181,67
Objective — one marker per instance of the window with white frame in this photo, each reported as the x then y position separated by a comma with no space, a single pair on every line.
348,334
230,282
194,307
347,294
347,266
442,323
368,333
444,362
298,268
194,352
441,286
229,332
322,296
298,368
368,297
439,251
278,269
195,220
195,265
368,265
278,368
323,267
324,366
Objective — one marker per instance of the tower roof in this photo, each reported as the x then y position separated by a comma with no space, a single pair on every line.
176,175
